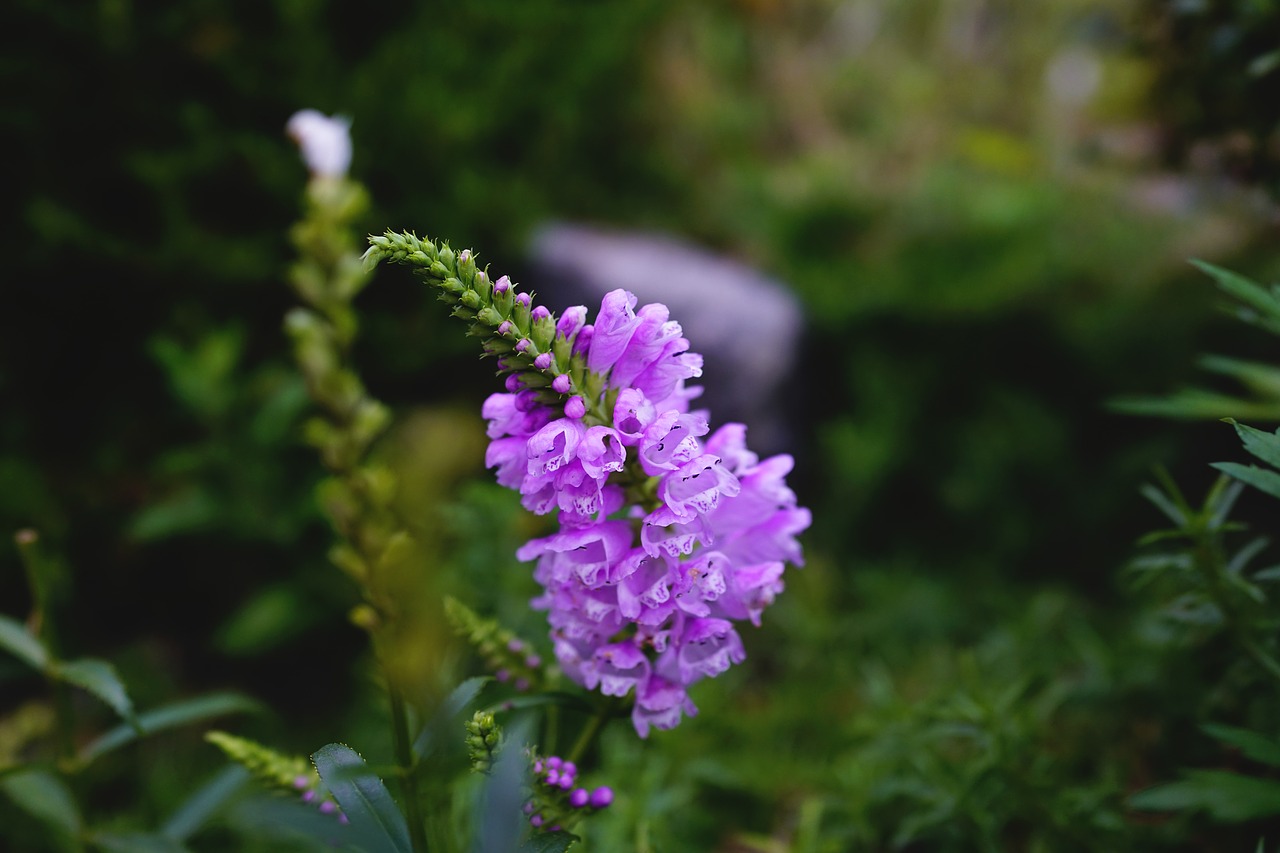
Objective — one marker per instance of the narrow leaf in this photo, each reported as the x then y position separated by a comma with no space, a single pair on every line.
1242,557
363,798
1247,291
460,697
1195,404
1162,502
100,679
500,824
205,802
17,641
45,797
1260,478
169,716
555,697
1257,747
1221,499
1227,797
1259,376
268,818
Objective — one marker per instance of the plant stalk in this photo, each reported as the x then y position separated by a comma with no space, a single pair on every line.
591,732
402,745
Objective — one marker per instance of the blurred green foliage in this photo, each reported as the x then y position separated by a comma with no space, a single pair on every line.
967,196
1216,69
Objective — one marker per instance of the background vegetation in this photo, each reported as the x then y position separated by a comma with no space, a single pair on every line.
985,209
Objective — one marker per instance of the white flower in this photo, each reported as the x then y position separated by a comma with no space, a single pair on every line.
325,142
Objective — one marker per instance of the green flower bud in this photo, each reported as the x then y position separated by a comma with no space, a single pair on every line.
484,739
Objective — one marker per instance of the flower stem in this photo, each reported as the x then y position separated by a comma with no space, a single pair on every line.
592,731
404,758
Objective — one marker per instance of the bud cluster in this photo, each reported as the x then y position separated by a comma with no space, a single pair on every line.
484,739
557,801
533,350
511,659
289,772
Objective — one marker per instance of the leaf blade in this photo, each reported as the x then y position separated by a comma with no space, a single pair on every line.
99,678
46,797
18,641
363,797
172,715
1262,479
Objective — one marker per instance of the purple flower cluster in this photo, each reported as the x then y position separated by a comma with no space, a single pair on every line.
669,533
553,778
312,792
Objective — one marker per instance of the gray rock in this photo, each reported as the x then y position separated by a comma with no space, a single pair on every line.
746,325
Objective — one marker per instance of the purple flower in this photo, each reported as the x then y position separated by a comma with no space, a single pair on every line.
612,330
667,535
621,667
660,704
707,648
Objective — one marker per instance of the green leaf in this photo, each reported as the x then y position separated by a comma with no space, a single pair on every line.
189,510
1257,747
549,842
1195,404
269,818
137,842
1240,560
269,618
1247,291
1265,63
554,697
205,802
99,678
1220,500
17,641
169,716
45,797
1264,445
1227,797
1260,478
499,823
1260,377
363,798
1176,513
460,697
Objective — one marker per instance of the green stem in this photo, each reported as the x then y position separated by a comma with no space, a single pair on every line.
592,731
552,725
404,757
